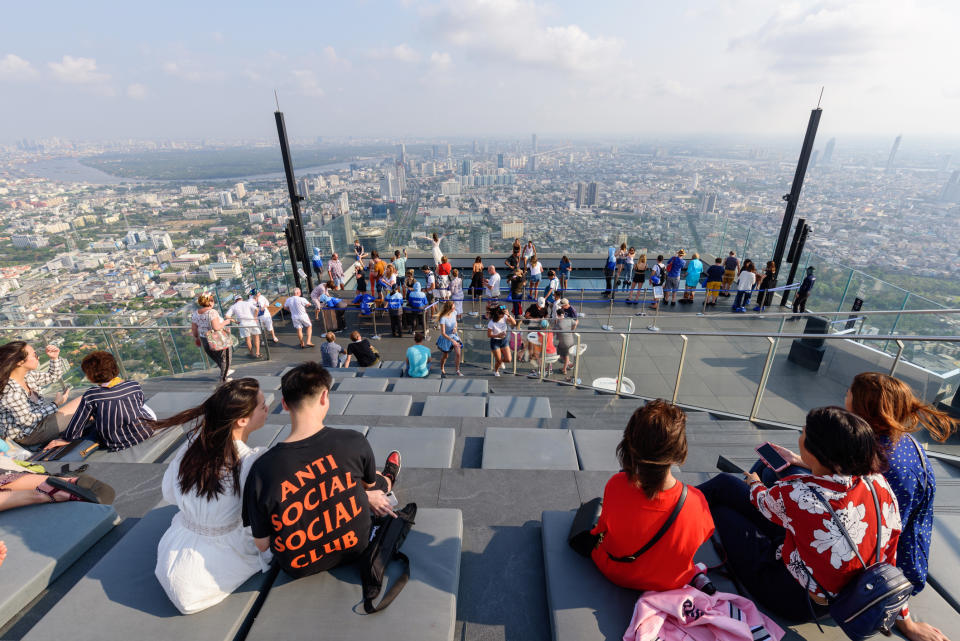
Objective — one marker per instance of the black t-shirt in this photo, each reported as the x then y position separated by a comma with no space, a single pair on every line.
516,287
513,260
536,312
307,497
362,351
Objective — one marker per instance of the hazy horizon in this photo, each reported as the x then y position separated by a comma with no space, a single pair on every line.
410,69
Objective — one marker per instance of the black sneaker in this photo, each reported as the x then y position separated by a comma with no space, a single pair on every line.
391,469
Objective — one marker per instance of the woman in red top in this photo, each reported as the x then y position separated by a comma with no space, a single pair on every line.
444,268
776,537
640,499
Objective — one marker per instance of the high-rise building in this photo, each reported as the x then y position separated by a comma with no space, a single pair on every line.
436,151
695,183
499,161
450,188
343,204
512,229
226,199
593,195
340,229
708,203
322,240
476,148
893,153
449,151
390,186
240,191
533,142
402,178
479,241
466,167
813,158
305,187
532,163
951,190
828,151
402,153
581,195
372,239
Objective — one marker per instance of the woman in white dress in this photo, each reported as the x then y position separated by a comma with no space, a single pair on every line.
207,553
437,254
456,292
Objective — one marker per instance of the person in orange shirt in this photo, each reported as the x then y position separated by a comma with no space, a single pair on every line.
377,269
639,500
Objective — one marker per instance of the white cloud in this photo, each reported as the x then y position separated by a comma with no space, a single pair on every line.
217,37
307,83
516,32
440,61
81,71
330,56
188,71
401,53
137,91
13,65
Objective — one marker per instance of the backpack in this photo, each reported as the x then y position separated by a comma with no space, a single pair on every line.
870,602
387,534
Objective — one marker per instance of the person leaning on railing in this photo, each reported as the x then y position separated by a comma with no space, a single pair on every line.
203,319
25,415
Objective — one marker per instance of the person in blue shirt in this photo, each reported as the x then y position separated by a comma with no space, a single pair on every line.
800,302
715,275
672,282
418,358
564,272
365,301
694,269
416,302
609,270
395,307
317,263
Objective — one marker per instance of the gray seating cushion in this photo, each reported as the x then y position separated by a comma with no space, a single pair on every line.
268,383
945,557
597,449
383,372
419,446
582,603
121,593
465,386
362,385
336,372
417,385
392,364
166,404
528,448
379,405
266,435
285,431
454,405
338,403
300,610
149,451
518,407
42,542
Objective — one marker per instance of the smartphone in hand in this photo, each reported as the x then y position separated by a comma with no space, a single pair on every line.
774,460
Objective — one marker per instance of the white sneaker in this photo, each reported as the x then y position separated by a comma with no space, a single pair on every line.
230,371
497,373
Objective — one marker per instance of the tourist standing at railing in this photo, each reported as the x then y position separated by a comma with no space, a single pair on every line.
408,281
756,280
400,262
317,297
517,284
745,283
497,328
609,269
491,287
317,263
620,255
249,329
25,416
395,311
764,295
715,276
731,266
476,279
803,293
443,279
564,272
456,292
694,270
893,412
672,284
358,252
262,305
626,274
206,553
637,278
389,279
449,340
204,319
566,344
550,292
335,269
377,270
435,249
513,262
535,269
431,287
417,302
529,251
657,276
297,306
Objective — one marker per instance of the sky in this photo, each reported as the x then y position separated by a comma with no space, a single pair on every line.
407,69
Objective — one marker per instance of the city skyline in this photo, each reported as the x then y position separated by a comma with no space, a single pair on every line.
479,68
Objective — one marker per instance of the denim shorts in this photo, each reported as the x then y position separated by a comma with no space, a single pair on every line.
497,343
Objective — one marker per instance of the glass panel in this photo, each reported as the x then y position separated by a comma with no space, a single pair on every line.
828,292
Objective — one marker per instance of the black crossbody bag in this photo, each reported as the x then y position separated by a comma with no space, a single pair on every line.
387,535
583,542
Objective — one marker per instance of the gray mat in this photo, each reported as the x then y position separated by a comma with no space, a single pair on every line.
362,385
166,404
597,449
268,383
419,446
299,610
392,364
528,448
336,372
42,542
120,596
149,451
518,407
339,403
266,435
417,385
945,557
465,386
383,372
453,405
285,431
379,405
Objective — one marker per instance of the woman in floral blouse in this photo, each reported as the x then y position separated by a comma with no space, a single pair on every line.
25,415
776,537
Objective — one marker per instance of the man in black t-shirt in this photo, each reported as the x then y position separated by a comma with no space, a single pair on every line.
310,498
361,350
517,282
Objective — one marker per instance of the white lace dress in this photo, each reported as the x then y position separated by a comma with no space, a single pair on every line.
206,553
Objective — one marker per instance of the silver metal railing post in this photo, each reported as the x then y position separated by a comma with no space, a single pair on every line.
763,379
514,354
576,363
173,340
580,311
623,360
608,327
683,359
896,361
543,354
166,353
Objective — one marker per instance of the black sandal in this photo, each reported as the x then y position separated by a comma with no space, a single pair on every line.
86,488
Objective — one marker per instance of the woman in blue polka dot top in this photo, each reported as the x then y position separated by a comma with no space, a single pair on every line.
892,410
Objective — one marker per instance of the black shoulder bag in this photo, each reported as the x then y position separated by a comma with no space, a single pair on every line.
583,542
387,534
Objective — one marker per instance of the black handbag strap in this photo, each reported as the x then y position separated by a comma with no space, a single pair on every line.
843,530
659,535
394,590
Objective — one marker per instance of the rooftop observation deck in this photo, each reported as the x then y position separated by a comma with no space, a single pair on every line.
502,451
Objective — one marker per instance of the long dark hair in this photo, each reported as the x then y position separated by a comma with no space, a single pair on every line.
654,439
843,442
11,355
212,454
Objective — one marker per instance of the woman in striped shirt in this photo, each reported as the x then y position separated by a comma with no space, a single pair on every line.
116,407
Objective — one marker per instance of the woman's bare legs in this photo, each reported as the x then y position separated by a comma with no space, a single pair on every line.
28,490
